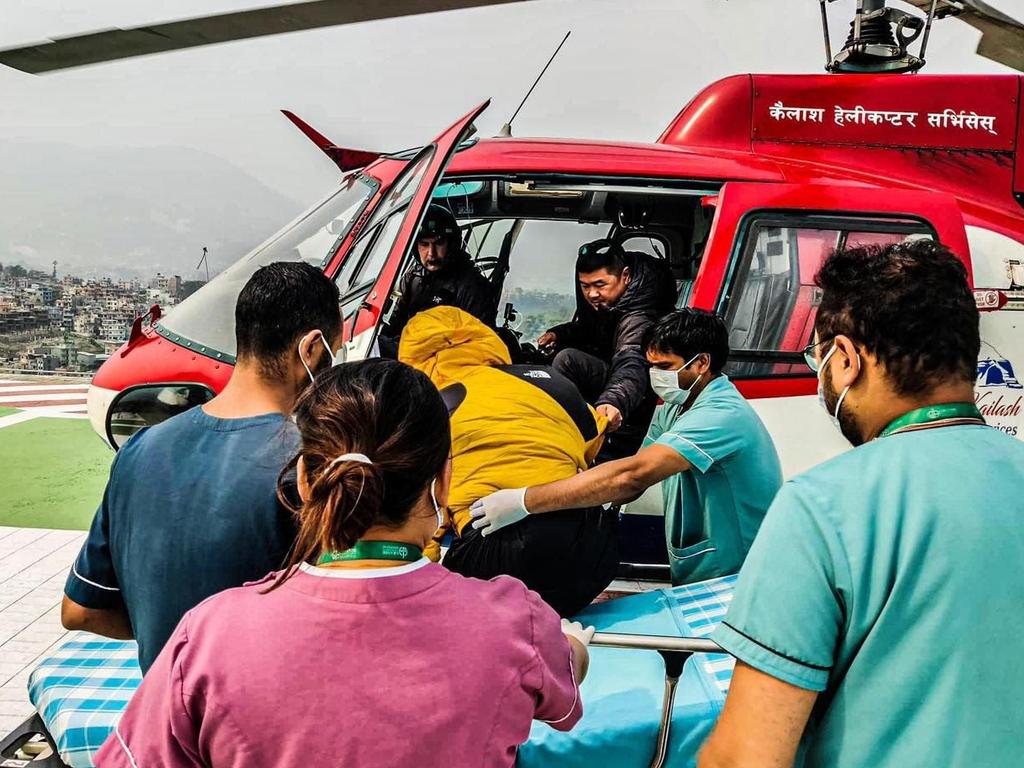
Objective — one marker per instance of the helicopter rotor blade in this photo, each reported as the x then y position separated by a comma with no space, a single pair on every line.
1002,37
113,44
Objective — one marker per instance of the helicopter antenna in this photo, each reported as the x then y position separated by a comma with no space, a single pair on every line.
927,29
506,129
824,29
203,261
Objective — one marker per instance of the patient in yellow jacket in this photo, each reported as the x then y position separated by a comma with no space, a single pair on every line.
519,425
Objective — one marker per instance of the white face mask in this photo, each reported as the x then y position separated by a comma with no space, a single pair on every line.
832,415
666,383
437,507
335,359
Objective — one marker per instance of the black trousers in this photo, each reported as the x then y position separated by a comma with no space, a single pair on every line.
589,373
567,557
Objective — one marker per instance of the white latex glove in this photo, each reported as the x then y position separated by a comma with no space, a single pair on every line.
501,508
577,631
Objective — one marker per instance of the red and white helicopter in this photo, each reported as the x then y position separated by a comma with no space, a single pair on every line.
744,193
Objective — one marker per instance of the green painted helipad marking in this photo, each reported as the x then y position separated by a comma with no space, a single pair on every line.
52,473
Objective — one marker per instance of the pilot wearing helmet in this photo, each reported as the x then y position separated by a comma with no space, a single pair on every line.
441,275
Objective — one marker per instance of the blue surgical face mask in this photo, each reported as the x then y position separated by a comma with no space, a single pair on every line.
666,383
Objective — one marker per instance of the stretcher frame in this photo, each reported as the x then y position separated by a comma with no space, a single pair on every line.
674,652
12,742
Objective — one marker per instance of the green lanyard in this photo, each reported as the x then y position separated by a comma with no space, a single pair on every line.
374,550
932,414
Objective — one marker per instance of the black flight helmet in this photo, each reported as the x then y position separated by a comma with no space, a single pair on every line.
439,221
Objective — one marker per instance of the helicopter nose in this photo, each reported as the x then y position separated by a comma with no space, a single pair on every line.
97,402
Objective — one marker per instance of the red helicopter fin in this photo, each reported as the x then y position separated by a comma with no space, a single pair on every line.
346,159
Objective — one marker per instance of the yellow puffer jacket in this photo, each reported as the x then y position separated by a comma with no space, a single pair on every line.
508,432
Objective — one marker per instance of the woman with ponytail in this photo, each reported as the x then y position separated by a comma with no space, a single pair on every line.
361,652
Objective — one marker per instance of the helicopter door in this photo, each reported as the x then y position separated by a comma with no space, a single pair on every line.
766,243
373,257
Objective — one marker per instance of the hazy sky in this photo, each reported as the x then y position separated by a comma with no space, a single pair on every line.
627,69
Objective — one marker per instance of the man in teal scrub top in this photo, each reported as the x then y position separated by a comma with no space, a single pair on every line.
716,461
878,618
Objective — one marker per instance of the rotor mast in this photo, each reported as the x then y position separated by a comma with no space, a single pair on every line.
879,39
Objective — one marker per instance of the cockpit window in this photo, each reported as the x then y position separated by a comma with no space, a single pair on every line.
367,256
207,319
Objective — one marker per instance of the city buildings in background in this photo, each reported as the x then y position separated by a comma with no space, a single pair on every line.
51,323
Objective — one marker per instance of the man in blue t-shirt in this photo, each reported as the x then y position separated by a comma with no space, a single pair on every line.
191,506
712,454
877,620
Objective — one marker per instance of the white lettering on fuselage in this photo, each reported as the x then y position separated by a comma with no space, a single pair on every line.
969,120
779,111
858,115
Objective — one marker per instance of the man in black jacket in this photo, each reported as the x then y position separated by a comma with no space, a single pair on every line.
442,274
619,295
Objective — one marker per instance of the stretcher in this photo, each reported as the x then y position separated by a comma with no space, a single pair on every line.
654,690
79,692
646,701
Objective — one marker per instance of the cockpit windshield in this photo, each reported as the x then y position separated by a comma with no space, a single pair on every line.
207,318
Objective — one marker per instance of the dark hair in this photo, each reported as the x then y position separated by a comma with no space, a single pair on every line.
909,304
601,254
281,302
385,410
687,333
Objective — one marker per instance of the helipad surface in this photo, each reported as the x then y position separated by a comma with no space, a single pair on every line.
52,465
52,472
33,565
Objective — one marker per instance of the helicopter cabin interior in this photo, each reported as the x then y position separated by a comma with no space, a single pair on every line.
523,234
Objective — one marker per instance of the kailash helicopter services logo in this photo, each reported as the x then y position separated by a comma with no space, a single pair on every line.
996,390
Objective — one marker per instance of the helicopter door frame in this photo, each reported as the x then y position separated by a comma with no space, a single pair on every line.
737,199
782,388
365,318
743,205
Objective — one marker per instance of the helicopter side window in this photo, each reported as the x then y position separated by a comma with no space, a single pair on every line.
484,241
366,259
541,283
771,300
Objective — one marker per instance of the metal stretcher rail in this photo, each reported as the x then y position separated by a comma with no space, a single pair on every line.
674,652
656,643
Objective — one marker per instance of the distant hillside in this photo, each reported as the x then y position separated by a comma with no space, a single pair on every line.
130,212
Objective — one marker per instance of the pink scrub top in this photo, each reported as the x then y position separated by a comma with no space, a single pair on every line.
409,665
